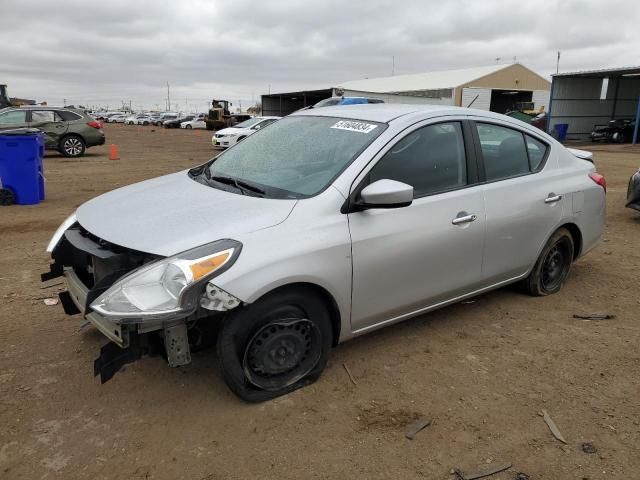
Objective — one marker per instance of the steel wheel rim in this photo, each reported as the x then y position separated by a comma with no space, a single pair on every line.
73,146
281,353
554,267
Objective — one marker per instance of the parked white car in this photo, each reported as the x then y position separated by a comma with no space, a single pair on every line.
145,120
133,119
120,118
195,123
228,137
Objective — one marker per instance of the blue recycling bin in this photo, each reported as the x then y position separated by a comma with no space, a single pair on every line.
561,131
21,155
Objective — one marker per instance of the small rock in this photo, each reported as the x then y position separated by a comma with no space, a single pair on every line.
589,447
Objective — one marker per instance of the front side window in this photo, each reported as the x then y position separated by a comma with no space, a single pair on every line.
297,156
431,159
503,151
14,116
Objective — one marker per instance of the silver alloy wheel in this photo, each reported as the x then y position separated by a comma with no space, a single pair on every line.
72,146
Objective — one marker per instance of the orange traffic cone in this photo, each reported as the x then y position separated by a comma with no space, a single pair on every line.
114,152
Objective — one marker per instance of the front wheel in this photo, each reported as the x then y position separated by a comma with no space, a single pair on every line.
276,345
188,127
72,146
553,265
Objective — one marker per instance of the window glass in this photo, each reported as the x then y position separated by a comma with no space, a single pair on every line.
503,151
537,151
430,159
14,116
40,116
296,156
67,116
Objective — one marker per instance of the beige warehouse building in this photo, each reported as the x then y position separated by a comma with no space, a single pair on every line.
496,87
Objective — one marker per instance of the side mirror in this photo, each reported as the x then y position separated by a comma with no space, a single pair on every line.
386,193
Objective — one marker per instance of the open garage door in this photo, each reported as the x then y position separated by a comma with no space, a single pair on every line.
479,98
503,101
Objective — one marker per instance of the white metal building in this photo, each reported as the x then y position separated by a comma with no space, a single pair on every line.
496,87
588,98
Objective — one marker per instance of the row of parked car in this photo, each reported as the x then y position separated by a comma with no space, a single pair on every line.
166,119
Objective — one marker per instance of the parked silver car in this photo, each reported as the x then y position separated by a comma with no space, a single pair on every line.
329,224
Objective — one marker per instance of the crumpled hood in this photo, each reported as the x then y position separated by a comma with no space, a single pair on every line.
170,214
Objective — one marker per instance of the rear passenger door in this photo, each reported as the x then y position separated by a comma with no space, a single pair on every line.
522,194
51,123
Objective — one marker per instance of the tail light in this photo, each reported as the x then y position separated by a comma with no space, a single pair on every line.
95,124
599,179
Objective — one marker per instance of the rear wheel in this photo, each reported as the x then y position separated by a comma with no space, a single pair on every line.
72,146
553,265
276,345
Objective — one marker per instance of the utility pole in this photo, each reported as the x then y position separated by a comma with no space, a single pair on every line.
393,65
168,98
558,62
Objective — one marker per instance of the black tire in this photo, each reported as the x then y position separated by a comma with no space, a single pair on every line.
72,146
145,123
188,127
240,139
552,267
256,341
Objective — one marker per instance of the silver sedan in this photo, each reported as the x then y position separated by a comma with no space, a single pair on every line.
327,225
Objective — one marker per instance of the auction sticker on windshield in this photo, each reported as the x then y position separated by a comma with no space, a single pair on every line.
352,126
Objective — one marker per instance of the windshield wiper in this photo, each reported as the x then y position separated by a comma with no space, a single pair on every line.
239,184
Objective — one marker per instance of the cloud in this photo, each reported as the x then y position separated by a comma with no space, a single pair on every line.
108,52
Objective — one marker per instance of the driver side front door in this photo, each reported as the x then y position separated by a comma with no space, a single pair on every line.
406,260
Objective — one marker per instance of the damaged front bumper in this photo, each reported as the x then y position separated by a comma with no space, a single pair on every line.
90,266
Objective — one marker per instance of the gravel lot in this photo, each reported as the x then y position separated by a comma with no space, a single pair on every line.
482,371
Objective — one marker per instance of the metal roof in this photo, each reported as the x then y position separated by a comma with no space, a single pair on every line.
605,72
423,81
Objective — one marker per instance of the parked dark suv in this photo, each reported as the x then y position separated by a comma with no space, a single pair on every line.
66,130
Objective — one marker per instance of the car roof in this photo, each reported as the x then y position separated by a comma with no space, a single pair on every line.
387,112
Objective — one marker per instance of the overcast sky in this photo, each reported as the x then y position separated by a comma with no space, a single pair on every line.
106,52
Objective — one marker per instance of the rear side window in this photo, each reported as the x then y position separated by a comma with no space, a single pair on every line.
431,159
503,151
537,151
68,116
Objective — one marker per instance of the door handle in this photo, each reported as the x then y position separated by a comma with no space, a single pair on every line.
552,198
464,219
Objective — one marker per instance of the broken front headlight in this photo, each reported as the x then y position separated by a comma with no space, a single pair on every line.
170,287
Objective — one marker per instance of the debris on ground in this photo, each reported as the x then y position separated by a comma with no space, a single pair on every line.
595,316
51,301
51,285
589,447
415,427
353,380
552,426
521,476
482,472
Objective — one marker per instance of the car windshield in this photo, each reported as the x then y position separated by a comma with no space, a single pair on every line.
248,123
296,157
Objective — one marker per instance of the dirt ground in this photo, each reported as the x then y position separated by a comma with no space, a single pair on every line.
481,371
